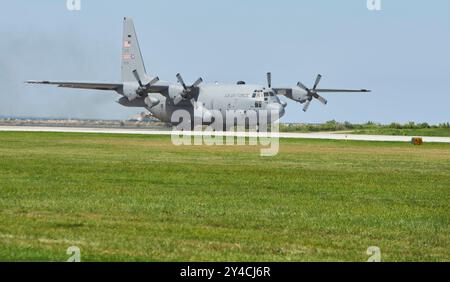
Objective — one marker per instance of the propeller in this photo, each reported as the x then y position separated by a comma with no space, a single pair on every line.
143,89
187,92
312,93
269,85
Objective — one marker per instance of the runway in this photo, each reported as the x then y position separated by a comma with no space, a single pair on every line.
331,136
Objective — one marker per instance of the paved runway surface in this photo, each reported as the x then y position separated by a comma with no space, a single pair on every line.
334,136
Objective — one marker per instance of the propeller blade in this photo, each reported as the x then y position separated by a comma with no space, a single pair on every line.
305,108
269,79
153,81
197,82
321,99
318,78
136,75
181,81
299,84
177,99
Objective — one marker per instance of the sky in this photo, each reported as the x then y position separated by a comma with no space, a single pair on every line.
400,52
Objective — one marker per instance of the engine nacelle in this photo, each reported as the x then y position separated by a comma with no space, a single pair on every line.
151,101
134,103
129,90
299,95
174,91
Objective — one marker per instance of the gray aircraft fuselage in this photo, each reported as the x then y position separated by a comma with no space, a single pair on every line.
239,99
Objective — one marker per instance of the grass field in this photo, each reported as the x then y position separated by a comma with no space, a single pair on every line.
440,132
139,198
407,129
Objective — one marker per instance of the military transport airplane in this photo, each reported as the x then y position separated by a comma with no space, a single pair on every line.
162,99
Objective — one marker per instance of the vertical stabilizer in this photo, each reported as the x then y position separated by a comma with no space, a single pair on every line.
131,53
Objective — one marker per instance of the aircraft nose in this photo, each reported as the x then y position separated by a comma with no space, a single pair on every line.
276,107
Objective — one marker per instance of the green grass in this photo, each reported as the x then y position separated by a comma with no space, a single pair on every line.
443,132
407,129
139,198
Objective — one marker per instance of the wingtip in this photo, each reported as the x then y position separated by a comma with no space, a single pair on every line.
37,82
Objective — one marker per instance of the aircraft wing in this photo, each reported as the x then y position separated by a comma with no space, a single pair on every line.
81,85
342,90
162,89
118,87
288,91
302,94
283,91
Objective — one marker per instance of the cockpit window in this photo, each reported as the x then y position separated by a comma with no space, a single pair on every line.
259,94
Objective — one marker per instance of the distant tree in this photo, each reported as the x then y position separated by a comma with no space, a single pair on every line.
395,125
348,125
424,125
444,125
410,125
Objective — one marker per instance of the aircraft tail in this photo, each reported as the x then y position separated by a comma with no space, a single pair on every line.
131,53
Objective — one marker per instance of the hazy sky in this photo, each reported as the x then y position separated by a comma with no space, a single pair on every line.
400,52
